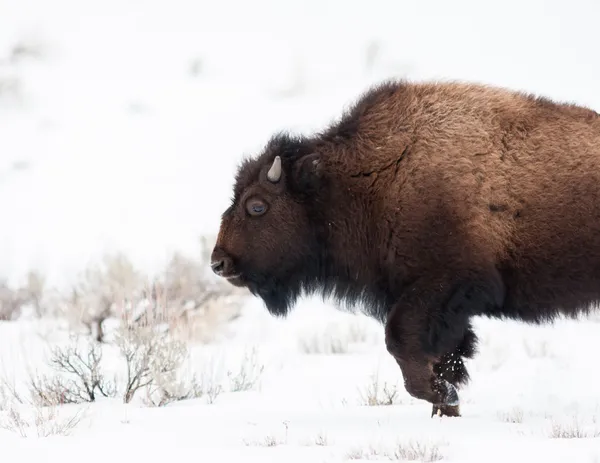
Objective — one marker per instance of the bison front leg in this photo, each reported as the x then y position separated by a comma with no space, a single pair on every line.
428,333
418,368
451,368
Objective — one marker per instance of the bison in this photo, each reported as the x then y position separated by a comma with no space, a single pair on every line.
427,204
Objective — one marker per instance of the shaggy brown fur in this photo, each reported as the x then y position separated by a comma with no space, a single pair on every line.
427,203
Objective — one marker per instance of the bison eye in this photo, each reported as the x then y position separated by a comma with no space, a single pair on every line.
256,207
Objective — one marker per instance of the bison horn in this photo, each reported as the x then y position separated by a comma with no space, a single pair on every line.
274,173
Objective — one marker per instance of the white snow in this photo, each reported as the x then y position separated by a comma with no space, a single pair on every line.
130,126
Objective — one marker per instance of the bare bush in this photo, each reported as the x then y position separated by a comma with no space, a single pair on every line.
13,299
321,440
271,440
417,451
197,303
45,422
192,388
185,299
78,377
14,422
153,362
513,416
573,431
9,394
323,344
410,451
376,394
11,302
538,348
248,374
369,452
34,291
100,292
335,337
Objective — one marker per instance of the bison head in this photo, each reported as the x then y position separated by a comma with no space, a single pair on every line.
269,240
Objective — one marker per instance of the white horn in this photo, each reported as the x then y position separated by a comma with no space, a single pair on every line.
274,173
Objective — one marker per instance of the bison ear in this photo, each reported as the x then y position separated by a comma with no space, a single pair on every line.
308,171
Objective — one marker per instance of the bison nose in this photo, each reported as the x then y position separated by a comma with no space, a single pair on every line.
220,263
218,266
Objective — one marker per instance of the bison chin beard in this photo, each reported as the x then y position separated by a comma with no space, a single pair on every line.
280,291
278,294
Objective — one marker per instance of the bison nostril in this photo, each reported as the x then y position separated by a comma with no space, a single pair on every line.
218,266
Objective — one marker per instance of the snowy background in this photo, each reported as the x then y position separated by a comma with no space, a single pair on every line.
121,125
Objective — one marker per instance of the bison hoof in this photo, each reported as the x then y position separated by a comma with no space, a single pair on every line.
451,396
445,410
451,404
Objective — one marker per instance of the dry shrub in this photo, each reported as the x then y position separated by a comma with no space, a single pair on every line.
272,439
538,348
573,431
185,298
190,301
198,303
410,451
321,440
376,393
77,378
10,393
149,320
100,292
11,302
14,299
513,416
152,362
417,451
159,395
34,292
41,413
336,337
41,421
248,374
323,344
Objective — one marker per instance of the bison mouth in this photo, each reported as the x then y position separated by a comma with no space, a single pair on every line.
235,279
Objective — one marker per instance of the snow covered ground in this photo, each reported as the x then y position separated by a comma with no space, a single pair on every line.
121,124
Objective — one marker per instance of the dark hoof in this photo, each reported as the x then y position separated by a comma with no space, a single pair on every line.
451,405
446,410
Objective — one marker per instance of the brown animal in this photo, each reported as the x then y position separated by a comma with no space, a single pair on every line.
428,204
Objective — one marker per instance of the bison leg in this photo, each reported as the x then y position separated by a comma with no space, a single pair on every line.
451,368
420,379
428,333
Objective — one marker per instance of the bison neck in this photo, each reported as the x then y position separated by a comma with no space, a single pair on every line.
350,269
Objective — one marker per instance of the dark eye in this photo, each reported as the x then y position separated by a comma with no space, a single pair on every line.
256,207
